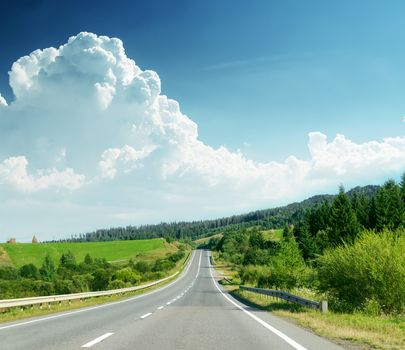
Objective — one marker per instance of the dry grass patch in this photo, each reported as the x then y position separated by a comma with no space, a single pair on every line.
4,258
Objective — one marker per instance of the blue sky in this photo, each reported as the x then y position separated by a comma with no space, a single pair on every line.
256,78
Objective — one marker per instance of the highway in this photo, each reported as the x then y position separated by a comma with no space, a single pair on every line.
192,312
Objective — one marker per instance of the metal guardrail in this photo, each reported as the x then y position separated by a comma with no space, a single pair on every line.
321,305
7,303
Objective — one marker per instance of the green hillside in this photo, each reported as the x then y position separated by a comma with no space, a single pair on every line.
25,253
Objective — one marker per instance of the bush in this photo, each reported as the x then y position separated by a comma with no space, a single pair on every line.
369,272
127,275
287,269
251,274
29,271
118,284
83,283
163,265
101,279
65,287
177,256
9,273
256,256
142,267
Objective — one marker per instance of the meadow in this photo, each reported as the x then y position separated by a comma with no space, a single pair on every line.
19,254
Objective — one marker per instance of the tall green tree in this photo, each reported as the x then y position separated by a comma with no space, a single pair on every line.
389,206
68,260
343,222
48,269
362,212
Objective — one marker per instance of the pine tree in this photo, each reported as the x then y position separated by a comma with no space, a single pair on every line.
402,185
361,209
343,221
389,207
395,204
372,214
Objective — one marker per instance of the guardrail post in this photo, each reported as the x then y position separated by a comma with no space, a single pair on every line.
324,306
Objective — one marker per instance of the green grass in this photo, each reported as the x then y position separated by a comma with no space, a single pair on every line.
207,239
26,253
273,235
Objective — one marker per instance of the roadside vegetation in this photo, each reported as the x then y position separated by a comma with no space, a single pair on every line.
69,275
349,251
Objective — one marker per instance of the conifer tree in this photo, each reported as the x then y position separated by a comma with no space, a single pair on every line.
343,222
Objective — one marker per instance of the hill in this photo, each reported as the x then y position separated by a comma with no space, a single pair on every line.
19,254
268,219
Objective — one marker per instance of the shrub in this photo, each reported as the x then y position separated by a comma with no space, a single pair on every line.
101,279
118,284
251,274
256,256
9,273
370,271
83,283
127,275
163,265
64,287
142,267
286,269
29,271
177,256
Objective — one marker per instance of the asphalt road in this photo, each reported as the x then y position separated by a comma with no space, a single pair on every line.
193,312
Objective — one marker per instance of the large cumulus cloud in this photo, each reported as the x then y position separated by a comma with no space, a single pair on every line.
89,124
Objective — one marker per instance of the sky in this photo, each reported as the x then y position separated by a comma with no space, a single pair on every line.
135,112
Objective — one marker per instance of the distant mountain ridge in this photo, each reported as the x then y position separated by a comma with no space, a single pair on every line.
267,218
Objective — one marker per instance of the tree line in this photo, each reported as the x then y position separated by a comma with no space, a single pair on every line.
266,218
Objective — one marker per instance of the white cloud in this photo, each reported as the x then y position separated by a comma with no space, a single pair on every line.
126,158
3,101
87,106
13,172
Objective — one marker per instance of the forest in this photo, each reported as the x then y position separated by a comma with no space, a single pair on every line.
267,218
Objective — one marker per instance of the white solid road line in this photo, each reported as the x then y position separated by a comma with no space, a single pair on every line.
65,314
146,315
97,340
286,338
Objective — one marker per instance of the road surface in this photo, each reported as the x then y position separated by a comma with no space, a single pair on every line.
192,312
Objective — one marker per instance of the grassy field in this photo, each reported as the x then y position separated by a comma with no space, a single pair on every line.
206,239
273,235
19,254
